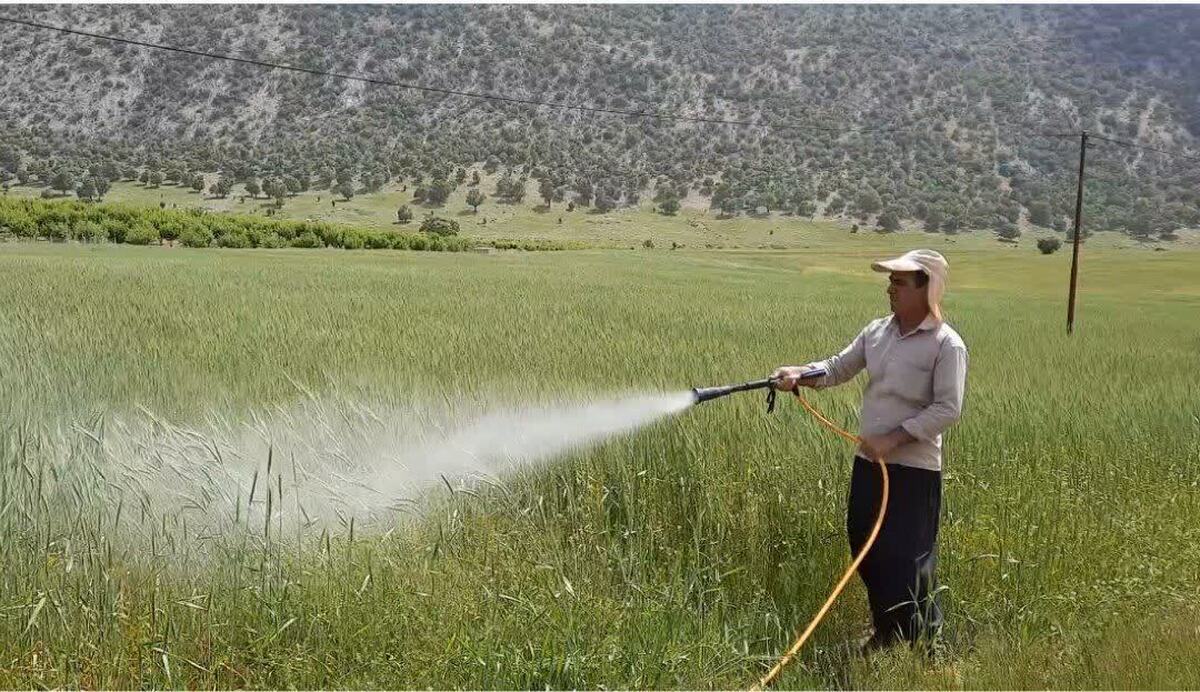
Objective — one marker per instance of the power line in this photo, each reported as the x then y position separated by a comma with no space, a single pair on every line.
445,91
1131,145
552,104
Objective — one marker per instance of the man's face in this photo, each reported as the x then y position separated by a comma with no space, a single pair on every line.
904,294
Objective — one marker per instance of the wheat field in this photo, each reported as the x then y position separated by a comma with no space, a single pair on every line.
182,431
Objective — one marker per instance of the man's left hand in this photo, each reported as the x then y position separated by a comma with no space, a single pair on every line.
880,446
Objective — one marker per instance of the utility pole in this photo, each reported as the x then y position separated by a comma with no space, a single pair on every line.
1083,138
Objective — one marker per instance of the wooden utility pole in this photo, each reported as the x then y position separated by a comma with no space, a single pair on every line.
1083,138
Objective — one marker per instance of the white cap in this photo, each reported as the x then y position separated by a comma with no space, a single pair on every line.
928,261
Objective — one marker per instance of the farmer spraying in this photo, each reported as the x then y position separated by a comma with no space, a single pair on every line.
916,366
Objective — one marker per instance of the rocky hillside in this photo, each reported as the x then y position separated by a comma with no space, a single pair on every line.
921,115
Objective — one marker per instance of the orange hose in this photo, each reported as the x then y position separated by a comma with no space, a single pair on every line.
773,674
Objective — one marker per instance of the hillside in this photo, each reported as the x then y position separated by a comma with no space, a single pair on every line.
962,93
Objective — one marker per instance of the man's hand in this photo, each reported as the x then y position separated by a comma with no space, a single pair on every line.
880,446
788,377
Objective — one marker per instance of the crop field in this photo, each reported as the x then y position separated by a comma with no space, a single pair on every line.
222,468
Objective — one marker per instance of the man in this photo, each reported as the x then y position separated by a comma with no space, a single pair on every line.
917,367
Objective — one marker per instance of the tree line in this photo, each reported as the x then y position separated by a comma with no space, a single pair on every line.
62,220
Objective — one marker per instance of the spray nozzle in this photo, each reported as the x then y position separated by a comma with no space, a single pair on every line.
703,394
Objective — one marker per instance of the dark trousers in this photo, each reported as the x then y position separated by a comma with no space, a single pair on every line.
899,570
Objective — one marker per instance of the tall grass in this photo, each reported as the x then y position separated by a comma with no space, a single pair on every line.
684,555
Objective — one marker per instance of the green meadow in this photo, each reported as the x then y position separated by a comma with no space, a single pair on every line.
683,555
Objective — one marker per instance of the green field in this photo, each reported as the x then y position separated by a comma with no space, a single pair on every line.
683,555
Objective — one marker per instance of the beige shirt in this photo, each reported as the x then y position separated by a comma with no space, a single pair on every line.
915,381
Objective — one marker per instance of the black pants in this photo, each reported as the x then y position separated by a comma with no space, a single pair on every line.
899,570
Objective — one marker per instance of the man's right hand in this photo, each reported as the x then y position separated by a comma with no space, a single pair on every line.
787,377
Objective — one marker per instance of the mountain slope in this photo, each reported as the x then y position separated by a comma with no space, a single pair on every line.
960,90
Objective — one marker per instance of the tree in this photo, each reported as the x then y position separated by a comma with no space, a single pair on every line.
275,189
503,183
583,193
221,188
293,185
516,191
889,221
546,191
669,206
10,159
198,183
933,220
86,189
869,201
1048,245
438,226
253,188
155,178
1007,230
475,198
605,203
105,169
144,178
1143,220
404,214
1039,213
63,181
346,190
93,188
474,178
438,192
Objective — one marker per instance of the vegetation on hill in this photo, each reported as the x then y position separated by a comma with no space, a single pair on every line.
961,92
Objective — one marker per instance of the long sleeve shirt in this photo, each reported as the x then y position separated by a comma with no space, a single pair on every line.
916,382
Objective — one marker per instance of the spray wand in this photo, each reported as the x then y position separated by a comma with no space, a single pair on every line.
703,394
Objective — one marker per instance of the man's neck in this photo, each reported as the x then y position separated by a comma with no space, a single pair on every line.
909,321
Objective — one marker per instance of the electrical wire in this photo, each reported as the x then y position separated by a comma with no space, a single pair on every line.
447,91
1132,145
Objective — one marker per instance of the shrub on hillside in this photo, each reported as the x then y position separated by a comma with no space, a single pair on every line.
1048,245
307,239
58,231
18,223
196,235
271,240
234,239
436,225
89,231
141,234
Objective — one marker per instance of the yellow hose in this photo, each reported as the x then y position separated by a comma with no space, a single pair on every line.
773,674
